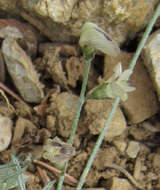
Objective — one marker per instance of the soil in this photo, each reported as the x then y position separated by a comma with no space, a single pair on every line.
61,70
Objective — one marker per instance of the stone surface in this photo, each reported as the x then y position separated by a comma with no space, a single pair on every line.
133,149
120,145
61,21
105,157
63,107
26,34
96,112
22,71
2,68
151,56
65,66
141,103
99,188
116,183
5,132
155,162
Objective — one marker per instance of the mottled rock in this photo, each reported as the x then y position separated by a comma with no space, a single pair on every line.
66,70
53,64
64,106
26,34
50,123
57,10
23,126
22,71
77,164
105,157
122,19
155,162
2,68
99,188
75,70
120,145
96,112
151,56
141,103
133,149
5,132
119,184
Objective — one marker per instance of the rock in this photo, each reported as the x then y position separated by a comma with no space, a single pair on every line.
119,184
62,21
53,64
96,112
105,157
133,149
93,178
66,72
151,58
120,145
64,106
99,188
50,123
77,164
122,19
26,34
75,71
155,162
140,133
2,68
56,10
23,126
5,132
141,103
22,71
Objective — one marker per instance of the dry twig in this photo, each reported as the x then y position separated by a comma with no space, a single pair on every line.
67,178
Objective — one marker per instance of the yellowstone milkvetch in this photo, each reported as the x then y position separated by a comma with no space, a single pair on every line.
98,40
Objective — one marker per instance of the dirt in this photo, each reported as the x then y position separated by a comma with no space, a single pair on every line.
61,69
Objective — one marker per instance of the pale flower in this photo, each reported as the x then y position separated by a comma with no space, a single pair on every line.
117,86
97,39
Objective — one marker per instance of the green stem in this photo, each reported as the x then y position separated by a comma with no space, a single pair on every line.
97,145
75,122
145,37
116,102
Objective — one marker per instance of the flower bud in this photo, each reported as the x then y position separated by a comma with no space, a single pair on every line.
95,38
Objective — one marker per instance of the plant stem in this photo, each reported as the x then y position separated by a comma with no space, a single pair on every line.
75,122
97,145
145,37
116,102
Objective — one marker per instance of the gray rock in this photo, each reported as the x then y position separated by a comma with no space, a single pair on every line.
142,102
151,56
96,112
63,21
5,132
133,149
22,71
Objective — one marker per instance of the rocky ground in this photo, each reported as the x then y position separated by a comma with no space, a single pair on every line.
46,69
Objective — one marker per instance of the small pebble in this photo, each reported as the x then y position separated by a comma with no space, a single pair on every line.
133,149
5,132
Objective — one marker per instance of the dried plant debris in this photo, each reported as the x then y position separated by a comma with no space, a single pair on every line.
22,71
